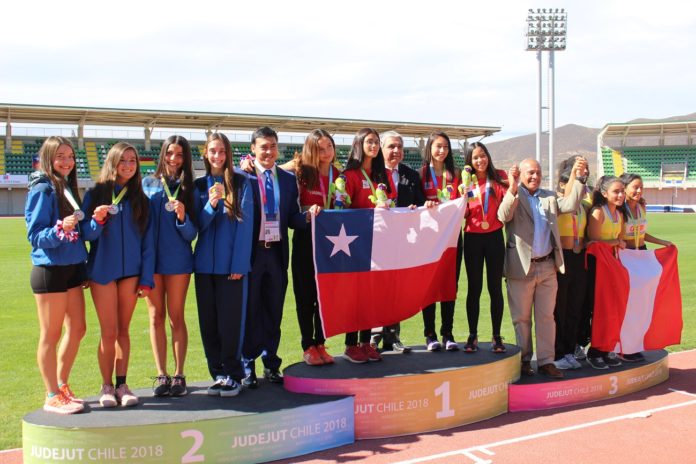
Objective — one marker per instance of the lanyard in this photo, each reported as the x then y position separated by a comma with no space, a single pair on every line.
484,201
332,187
576,221
115,200
434,178
636,223
369,181
260,177
168,192
71,199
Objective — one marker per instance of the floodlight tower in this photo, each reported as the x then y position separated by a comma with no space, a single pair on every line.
546,31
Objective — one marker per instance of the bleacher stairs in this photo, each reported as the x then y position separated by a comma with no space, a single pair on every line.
92,159
2,158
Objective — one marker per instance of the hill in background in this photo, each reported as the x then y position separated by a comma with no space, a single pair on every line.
570,140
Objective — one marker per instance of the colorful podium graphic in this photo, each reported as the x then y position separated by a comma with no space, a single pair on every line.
588,384
257,426
416,392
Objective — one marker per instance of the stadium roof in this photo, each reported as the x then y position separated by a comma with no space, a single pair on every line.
84,116
648,129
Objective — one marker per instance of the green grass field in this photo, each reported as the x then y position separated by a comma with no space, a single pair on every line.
21,389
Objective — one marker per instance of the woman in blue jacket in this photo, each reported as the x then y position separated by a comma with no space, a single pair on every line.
120,265
58,255
225,213
170,191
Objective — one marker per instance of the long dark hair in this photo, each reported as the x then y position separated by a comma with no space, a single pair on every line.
307,163
603,183
628,177
357,155
186,192
491,172
427,156
230,178
47,154
104,187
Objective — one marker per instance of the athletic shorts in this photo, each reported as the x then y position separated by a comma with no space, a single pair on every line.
57,279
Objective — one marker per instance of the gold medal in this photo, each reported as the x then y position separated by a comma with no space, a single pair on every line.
485,225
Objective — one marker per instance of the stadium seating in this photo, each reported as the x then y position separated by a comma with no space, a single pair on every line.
91,159
647,161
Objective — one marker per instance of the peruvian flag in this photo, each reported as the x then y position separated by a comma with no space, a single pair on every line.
638,302
376,267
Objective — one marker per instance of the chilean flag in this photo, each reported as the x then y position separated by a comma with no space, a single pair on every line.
376,267
638,302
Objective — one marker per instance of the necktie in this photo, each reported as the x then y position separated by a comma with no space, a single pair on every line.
270,196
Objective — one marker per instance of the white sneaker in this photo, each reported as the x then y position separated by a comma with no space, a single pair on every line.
107,396
563,364
572,361
125,396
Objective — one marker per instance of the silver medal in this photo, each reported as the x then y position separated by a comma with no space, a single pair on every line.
113,209
79,214
169,206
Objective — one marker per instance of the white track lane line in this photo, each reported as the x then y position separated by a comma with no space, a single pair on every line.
485,448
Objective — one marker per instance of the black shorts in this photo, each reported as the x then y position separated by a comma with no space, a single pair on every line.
57,279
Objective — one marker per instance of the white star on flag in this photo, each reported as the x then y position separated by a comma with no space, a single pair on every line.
341,241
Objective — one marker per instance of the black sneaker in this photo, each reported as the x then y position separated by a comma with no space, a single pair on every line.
178,387
471,344
612,360
214,389
632,358
229,387
498,346
597,363
162,385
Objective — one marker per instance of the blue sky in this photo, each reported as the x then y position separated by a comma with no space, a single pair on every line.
435,61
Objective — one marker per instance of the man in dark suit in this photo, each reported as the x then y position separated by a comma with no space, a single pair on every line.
276,209
409,192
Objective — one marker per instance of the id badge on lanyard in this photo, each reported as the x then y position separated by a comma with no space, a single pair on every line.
271,231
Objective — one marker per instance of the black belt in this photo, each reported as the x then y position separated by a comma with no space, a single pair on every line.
543,258
263,244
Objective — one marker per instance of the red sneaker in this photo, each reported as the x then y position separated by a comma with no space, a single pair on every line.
67,392
325,356
312,357
371,353
355,354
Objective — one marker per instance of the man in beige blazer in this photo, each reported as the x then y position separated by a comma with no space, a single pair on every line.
533,254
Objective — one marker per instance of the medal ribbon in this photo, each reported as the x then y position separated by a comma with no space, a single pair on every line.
369,181
71,199
434,178
115,200
332,187
636,224
483,199
169,192
576,219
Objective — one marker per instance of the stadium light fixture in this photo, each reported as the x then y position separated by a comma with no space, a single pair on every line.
546,32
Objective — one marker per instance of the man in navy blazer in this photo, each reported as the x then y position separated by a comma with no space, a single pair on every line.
276,209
